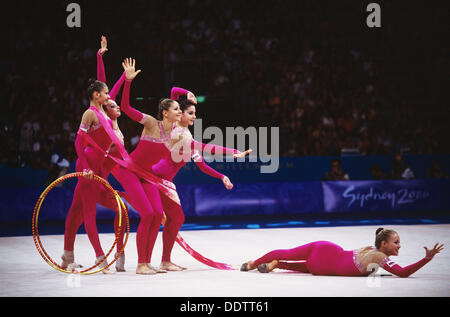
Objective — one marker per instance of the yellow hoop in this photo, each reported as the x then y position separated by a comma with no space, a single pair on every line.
37,240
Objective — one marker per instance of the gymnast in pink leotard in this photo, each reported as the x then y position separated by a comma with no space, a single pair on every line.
327,258
141,194
87,192
156,141
167,168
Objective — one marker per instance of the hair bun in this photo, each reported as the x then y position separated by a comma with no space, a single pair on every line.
378,231
94,86
164,104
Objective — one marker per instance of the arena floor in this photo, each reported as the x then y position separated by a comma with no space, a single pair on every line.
24,273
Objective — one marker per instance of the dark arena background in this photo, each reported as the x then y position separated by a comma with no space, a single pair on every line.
345,102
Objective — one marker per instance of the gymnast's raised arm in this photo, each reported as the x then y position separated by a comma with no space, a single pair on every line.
130,73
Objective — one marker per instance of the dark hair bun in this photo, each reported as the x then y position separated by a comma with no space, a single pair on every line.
94,86
379,230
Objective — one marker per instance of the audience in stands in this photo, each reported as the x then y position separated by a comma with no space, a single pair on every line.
309,76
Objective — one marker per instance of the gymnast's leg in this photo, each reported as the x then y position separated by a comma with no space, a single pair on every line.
89,198
291,266
154,198
273,257
174,220
74,220
138,199
108,200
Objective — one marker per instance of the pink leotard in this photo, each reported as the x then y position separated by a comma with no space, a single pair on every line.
327,258
143,196
167,168
154,156
321,258
88,193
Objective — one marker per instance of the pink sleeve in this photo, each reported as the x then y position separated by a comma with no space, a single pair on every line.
80,145
177,91
396,269
101,76
198,159
125,104
212,148
115,90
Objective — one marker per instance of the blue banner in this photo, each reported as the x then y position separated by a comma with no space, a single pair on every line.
412,195
282,198
258,199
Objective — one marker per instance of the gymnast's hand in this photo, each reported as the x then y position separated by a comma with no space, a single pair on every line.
242,154
87,173
129,68
191,98
228,184
436,249
103,45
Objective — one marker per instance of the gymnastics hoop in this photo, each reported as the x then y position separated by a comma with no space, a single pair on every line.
38,243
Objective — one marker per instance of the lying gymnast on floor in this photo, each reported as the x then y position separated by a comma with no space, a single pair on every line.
327,258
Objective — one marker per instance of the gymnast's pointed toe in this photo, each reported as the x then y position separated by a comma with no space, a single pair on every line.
244,267
247,266
263,268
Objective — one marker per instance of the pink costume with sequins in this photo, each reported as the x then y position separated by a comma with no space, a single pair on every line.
154,156
143,195
327,258
167,168
88,192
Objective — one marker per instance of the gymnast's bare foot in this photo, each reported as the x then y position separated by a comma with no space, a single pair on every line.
143,268
157,270
268,267
103,264
169,266
247,266
68,261
120,263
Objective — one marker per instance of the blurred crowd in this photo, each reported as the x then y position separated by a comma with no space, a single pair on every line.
311,71
398,169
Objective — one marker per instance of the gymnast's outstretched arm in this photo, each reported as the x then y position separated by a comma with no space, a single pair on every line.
396,269
214,148
200,162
